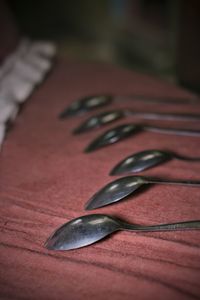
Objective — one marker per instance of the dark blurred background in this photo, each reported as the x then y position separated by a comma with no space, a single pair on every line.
160,37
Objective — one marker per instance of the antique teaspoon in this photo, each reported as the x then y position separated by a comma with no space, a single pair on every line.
88,229
121,132
92,102
147,159
125,186
108,117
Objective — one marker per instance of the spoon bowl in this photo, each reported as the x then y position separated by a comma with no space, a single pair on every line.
115,191
141,161
81,232
99,120
112,136
89,229
85,104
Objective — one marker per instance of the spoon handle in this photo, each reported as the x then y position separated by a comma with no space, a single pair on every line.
164,227
195,183
186,158
158,99
164,116
176,131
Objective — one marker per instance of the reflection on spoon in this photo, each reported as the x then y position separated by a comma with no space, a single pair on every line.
89,229
125,186
108,117
147,159
92,102
121,132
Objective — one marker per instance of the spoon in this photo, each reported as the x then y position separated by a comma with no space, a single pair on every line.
125,186
107,117
92,102
147,159
89,229
121,132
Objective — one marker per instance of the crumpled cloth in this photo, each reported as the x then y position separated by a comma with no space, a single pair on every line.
20,73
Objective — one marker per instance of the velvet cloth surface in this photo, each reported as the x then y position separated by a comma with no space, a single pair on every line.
45,180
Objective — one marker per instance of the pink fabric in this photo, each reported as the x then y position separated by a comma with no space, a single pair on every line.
45,180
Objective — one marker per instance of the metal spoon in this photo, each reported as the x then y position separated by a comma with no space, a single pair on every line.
92,102
108,117
89,229
147,159
126,130
125,186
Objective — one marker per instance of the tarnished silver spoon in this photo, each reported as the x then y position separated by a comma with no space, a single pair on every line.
108,117
92,102
147,159
125,186
121,132
89,229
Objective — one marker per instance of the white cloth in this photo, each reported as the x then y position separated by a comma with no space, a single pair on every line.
8,110
19,74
